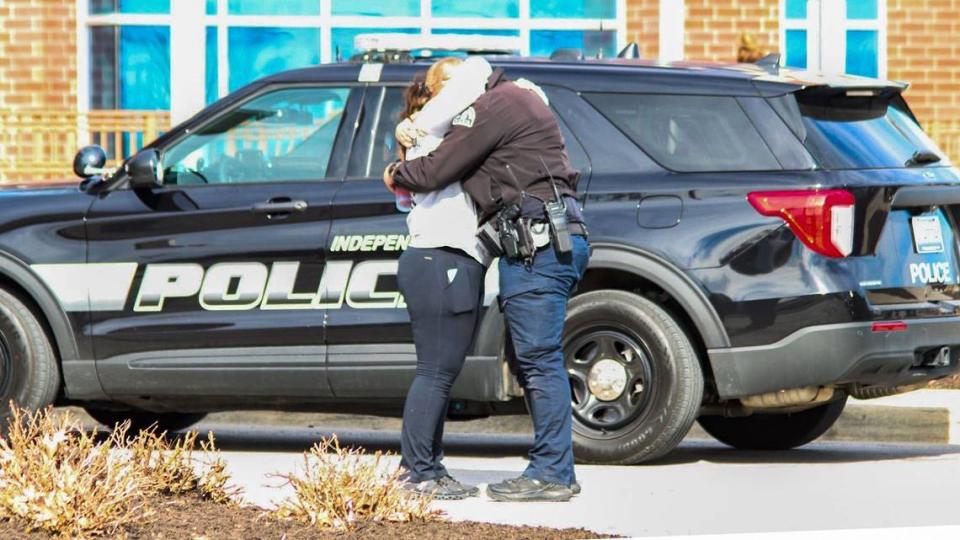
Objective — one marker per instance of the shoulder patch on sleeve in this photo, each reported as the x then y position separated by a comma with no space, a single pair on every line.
466,118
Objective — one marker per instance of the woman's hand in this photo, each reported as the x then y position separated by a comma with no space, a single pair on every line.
407,133
388,177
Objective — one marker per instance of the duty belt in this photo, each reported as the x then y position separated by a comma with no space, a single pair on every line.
541,232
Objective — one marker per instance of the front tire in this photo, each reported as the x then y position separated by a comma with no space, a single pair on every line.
774,431
29,371
635,378
143,420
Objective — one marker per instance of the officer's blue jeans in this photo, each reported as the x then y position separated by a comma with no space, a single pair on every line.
534,302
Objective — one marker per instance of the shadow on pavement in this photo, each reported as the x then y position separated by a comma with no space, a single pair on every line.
257,438
818,452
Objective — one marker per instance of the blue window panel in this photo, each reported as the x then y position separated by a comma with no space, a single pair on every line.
545,42
862,9
862,57
211,7
213,79
257,52
343,38
476,31
796,9
144,72
129,6
584,9
796,49
476,8
378,8
273,7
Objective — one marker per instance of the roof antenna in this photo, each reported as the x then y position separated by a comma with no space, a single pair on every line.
339,56
600,50
770,62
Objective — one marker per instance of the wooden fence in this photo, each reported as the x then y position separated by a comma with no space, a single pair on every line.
40,145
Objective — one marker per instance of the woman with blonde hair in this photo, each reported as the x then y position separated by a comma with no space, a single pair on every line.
440,275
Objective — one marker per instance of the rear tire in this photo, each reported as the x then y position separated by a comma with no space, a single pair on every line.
29,371
774,431
143,420
663,385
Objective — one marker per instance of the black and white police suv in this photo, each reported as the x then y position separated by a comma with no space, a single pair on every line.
766,243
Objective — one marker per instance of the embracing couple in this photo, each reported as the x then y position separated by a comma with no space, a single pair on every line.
483,151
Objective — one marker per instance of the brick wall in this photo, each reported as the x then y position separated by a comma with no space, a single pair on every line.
38,64
923,50
714,27
38,88
643,20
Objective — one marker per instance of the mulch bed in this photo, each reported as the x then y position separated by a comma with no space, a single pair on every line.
193,519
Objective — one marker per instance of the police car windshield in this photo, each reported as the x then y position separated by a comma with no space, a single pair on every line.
858,130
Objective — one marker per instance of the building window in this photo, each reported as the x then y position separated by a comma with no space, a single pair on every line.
249,39
377,8
129,6
592,43
575,9
256,52
130,67
272,7
855,28
476,8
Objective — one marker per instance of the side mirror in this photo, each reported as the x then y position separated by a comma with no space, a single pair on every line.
89,161
144,170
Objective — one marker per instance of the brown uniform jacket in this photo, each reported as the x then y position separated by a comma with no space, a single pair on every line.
506,125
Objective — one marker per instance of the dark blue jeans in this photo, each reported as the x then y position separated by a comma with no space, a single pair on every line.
443,290
534,302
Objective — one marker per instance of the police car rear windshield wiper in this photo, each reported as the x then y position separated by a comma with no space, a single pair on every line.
922,157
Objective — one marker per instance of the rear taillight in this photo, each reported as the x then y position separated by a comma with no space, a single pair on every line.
821,219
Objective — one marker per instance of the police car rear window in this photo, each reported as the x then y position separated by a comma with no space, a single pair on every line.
857,130
689,133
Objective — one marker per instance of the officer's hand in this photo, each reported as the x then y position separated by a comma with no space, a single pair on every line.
388,177
407,134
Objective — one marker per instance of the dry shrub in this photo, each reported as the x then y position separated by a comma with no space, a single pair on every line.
341,486
170,468
58,478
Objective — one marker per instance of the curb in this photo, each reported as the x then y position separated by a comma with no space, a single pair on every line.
922,416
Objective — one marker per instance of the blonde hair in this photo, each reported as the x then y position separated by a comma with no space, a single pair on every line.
440,71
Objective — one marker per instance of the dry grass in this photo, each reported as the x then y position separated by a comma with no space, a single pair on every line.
58,478
342,486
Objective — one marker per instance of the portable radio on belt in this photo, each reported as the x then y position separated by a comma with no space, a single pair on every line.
557,217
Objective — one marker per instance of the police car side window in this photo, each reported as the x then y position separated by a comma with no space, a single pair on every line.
689,133
284,135
374,149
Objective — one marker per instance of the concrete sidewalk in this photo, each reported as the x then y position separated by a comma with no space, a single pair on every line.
923,416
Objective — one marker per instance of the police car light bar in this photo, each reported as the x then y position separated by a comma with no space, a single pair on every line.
470,43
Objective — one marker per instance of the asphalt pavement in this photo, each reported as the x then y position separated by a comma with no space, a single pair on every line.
701,488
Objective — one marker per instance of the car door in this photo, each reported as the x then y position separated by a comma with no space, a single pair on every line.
370,346
216,282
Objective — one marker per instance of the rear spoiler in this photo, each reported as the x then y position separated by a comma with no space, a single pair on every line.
920,196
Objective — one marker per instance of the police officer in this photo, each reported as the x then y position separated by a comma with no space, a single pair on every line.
508,152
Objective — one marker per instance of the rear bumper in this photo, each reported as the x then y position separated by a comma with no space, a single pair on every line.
836,354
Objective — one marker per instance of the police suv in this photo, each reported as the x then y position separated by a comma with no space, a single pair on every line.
766,243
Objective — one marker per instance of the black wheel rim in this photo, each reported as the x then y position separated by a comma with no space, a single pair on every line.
600,350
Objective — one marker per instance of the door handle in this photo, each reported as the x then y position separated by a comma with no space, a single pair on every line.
279,207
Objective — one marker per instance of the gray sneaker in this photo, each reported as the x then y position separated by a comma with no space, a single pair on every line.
443,489
575,487
524,489
452,484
